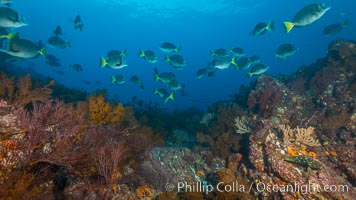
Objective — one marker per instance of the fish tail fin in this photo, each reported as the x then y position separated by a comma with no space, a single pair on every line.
248,65
155,91
170,97
124,63
166,58
113,79
230,50
233,61
123,53
249,74
22,20
103,62
156,76
42,52
288,26
11,35
178,49
212,53
141,53
270,26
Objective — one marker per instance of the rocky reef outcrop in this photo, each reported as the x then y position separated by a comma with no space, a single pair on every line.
293,138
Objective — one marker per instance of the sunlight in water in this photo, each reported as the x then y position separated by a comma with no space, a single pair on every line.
170,8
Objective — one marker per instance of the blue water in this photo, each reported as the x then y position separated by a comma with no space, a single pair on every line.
197,27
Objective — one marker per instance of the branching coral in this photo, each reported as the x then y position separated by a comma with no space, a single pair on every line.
288,134
7,87
51,130
206,119
22,91
48,143
19,186
101,112
299,135
26,93
304,136
240,125
55,139
106,161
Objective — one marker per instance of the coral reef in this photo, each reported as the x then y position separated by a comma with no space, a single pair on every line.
207,117
21,91
240,125
102,112
265,97
221,135
323,148
54,146
293,138
299,135
144,192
